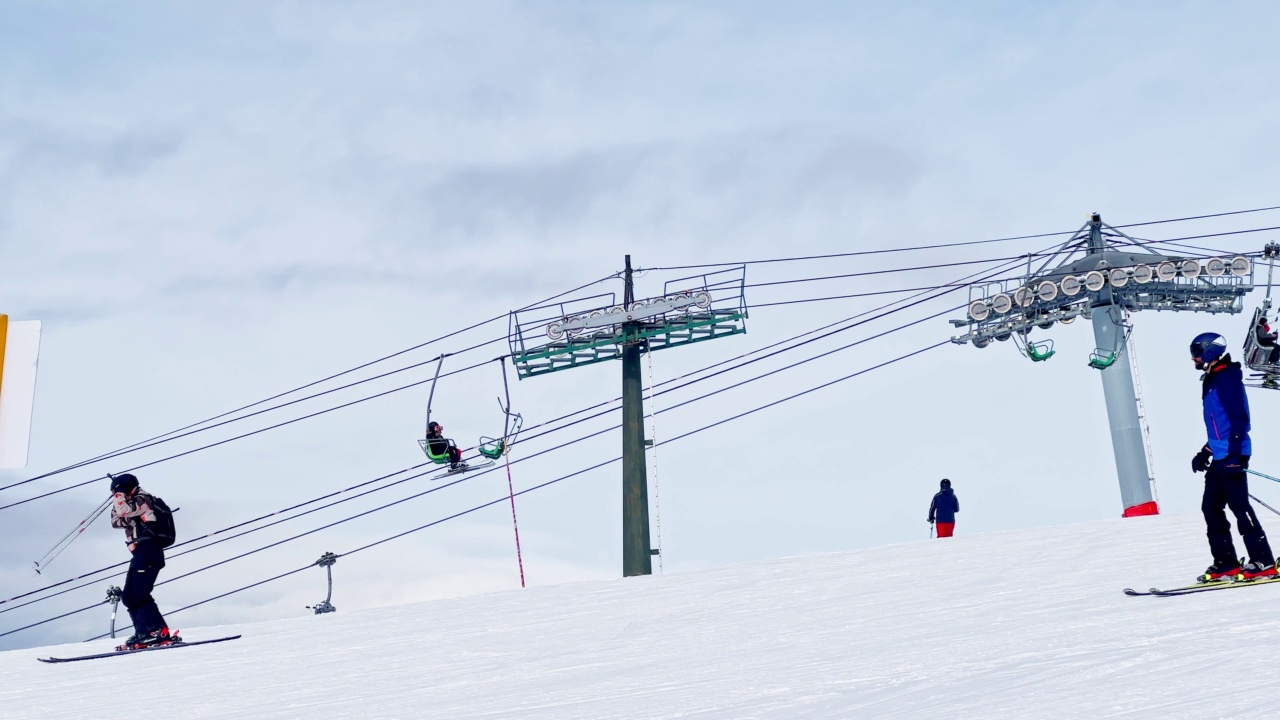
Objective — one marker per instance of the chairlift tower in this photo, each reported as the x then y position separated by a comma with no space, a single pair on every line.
1105,284
589,330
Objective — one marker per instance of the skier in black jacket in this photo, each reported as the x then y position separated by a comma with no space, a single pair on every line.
943,509
132,509
440,445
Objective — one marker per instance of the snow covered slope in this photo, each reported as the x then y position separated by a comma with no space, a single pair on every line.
1028,624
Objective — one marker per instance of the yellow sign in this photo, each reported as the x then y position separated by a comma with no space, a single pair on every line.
19,355
4,334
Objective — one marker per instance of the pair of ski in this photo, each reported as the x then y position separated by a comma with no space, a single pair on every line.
1202,587
153,648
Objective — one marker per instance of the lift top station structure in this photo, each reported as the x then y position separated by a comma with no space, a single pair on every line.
593,329
1116,275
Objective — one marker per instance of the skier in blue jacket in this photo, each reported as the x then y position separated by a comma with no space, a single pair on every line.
943,509
1224,460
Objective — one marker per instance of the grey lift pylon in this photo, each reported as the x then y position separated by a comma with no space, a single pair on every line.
1115,275
1109,334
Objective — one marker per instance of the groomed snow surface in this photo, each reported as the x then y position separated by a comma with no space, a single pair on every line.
1027,624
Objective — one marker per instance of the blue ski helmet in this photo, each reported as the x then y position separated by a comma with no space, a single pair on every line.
1208,347
944,484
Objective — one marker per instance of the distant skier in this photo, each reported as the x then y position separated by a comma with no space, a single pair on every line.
1224,460
943,509
440,445
137,512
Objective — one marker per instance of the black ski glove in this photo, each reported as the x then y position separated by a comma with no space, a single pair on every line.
1200,462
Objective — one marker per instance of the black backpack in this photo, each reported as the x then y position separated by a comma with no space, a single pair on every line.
162,529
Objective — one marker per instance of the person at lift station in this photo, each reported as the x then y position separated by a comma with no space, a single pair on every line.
440,445
148,530
1224,460
943,509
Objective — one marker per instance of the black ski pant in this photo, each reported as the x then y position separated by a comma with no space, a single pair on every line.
1225,488
144,568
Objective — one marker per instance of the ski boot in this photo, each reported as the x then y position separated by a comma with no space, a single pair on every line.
155,638
131,643
159,637
1219,572
1254,570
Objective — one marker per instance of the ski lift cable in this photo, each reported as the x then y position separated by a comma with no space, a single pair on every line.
439,360
666,382
651,388
934,266
483,472
178,436
874,293
246,434
1121,241
531,489
327,526
974,279
429,491
161,438
218,532
147,442
562,417
158,439
609,429
1227,233
859,253
763,357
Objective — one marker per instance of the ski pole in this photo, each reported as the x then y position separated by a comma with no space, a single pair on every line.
70,537
1264,504
1262,475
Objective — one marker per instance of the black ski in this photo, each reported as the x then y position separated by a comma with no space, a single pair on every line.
154,648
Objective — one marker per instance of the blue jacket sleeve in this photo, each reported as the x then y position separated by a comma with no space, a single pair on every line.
955,501
933,506
1234,405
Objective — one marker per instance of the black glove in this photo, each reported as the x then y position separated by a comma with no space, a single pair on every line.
1200,462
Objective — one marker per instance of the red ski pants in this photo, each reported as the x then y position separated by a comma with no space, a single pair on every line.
945,529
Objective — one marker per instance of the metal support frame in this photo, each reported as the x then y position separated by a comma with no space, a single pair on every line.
113,598
589,330
594,329
1108,281
326,561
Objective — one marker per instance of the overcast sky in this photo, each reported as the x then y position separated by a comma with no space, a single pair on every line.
208,207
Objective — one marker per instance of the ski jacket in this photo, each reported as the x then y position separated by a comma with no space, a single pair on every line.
1226,410
438,444
944,507
133,514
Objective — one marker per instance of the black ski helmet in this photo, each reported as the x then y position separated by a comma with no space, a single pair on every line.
1208,347
123,483
944,484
